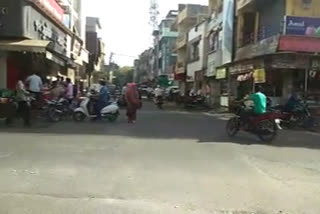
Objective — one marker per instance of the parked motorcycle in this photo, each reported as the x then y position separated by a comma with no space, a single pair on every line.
86,110
265,126
193,102
58,109
300,116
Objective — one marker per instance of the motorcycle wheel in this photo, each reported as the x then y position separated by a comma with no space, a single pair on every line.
53,115
267,131
113,117
233,126
79,116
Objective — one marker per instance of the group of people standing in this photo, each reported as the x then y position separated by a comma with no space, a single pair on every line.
33,87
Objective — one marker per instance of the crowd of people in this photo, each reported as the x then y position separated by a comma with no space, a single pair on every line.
33,90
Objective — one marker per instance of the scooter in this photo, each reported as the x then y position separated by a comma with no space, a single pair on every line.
110,112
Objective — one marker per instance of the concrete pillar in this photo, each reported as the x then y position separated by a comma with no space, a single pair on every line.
3,70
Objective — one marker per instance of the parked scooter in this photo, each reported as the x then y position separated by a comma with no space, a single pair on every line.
194,102
265,126
110,112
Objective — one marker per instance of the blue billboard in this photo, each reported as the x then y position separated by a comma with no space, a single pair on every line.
302,26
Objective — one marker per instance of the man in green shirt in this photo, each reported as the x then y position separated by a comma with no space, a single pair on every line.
260,101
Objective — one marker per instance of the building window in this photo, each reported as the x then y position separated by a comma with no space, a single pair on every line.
195,51
214,41
306,4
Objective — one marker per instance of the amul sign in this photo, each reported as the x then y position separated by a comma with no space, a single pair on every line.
52,7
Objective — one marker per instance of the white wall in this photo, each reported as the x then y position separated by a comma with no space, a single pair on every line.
3,70
195,32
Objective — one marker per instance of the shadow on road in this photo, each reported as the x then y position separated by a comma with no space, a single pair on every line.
155,124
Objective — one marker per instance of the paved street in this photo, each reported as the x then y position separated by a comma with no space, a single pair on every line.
169,162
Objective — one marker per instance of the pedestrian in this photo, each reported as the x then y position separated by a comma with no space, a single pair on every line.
133,102
22,97
35,85
69,91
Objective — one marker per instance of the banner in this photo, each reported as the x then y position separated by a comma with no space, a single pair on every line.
302,26
227,28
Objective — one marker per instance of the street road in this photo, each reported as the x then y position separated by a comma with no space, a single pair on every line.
170,162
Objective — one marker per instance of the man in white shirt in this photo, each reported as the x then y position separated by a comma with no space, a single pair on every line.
158,92
35,85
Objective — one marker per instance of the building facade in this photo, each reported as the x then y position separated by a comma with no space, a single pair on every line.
95,47
276,46
189,15
219,49
196,61
33,39
167,44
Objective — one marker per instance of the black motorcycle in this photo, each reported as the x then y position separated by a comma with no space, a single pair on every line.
58,109
195,102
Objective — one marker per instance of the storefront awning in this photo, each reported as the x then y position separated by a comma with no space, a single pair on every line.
34,46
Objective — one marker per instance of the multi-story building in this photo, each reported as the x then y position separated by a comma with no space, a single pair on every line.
33,38
143,67
277,46
196,61
95,46
189,15
167,44
219,49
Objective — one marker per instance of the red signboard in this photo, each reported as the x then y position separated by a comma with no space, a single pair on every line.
52,7
299,44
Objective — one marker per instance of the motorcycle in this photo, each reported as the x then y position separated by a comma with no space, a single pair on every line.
57,109
85,110
265,126
300,116
193,102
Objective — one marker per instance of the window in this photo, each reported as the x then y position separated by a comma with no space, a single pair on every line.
194,51
214,41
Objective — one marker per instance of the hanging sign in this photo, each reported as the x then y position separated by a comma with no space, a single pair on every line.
259,75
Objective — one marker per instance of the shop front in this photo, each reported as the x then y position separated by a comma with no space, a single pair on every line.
31,42
223,86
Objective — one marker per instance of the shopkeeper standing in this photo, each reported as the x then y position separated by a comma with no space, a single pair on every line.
35,85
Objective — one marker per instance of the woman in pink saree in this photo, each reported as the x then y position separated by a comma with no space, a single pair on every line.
133,102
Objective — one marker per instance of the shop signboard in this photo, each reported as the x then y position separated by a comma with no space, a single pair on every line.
302,26
52,7
39,27
221,73
259,75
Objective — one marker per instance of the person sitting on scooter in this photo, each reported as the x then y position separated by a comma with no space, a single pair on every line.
103,98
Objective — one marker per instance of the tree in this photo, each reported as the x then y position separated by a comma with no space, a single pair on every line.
123,75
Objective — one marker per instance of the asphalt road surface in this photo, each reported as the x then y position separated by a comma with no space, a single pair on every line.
170,162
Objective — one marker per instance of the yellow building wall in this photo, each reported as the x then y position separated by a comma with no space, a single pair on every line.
295,8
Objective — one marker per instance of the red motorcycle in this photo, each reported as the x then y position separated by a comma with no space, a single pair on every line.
265,126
